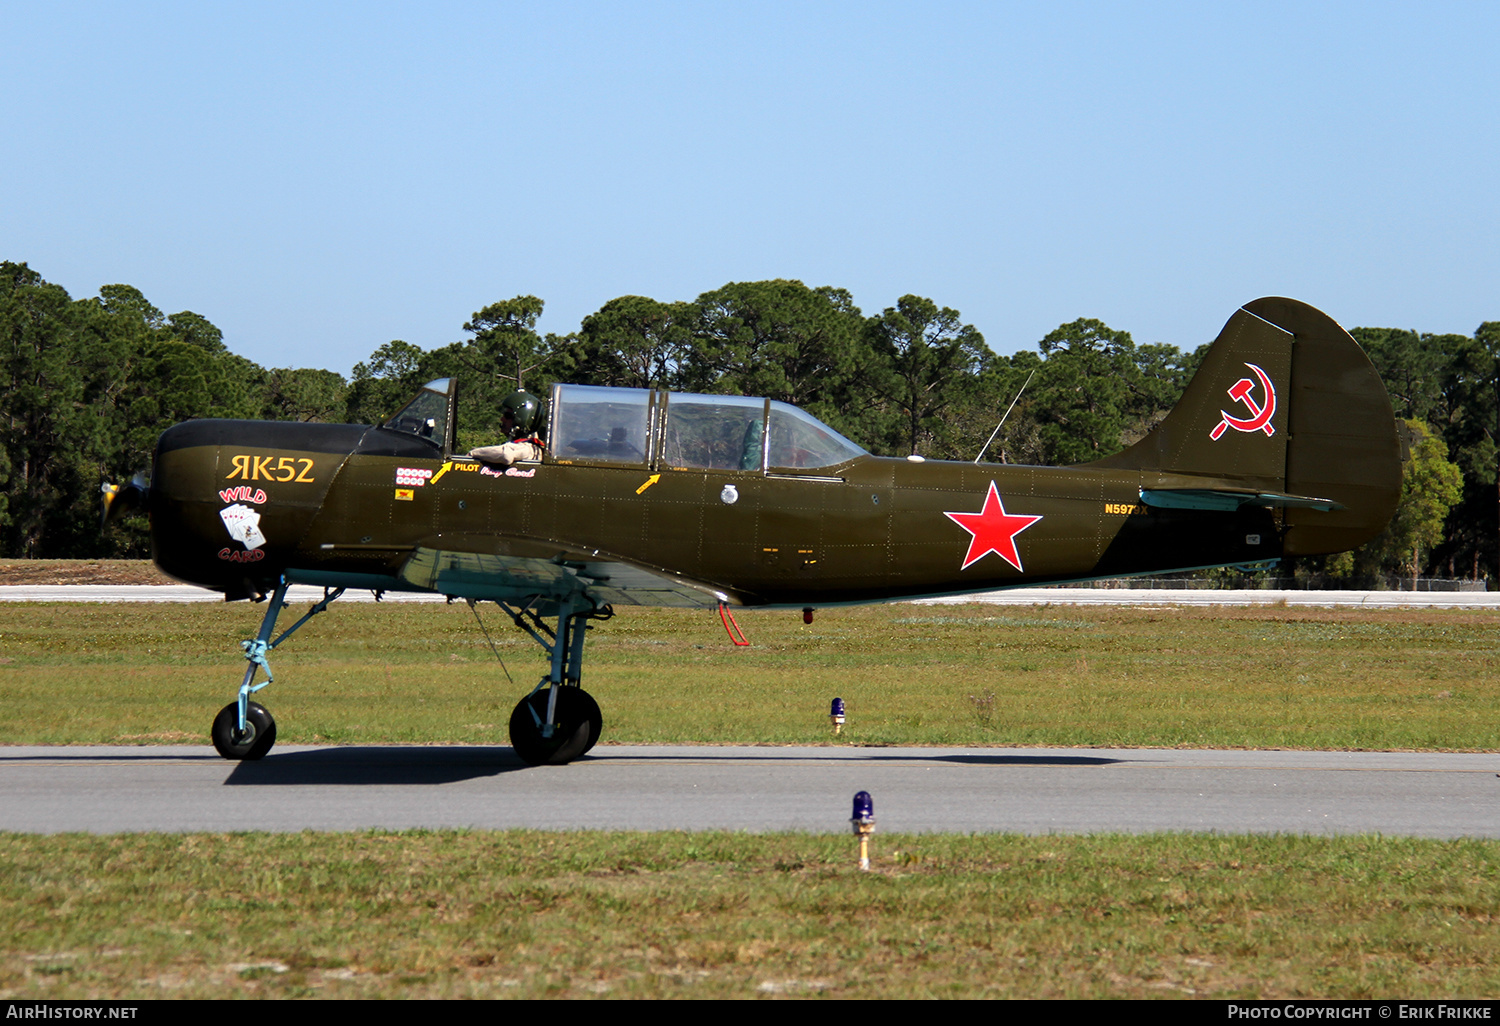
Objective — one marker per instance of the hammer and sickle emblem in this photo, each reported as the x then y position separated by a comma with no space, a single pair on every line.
1260,416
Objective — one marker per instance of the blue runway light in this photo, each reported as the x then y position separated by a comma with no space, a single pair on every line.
863,821
836,715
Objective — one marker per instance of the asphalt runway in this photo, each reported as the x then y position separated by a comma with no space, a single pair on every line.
965,790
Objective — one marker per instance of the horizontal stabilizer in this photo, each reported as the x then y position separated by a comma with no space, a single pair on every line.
1228,499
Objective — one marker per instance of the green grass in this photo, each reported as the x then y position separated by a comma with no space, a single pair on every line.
948,675
534,914
530,914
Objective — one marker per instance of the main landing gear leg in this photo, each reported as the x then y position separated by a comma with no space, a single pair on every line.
244,730
558,721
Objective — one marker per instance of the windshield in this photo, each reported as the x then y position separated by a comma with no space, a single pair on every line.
426,416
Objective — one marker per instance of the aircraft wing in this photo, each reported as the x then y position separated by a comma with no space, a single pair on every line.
512,578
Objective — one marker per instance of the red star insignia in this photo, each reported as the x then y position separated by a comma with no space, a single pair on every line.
992,530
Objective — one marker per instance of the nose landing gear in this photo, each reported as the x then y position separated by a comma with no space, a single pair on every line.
244,730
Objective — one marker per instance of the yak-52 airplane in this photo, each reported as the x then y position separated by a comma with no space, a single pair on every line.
1284,444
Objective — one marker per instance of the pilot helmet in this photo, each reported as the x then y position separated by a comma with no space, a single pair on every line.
526,409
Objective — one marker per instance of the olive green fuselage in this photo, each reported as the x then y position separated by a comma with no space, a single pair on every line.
346,504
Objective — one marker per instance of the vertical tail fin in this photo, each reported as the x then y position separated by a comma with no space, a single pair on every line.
1287,406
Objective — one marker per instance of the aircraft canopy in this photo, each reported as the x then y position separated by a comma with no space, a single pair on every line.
681,430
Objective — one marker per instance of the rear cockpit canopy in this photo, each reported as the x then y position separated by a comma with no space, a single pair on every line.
678,430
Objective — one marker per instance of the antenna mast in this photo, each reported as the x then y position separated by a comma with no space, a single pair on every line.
998,426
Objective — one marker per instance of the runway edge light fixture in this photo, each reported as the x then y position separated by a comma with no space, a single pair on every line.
863,821
836,716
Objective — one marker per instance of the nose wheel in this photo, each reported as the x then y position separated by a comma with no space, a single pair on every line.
244,745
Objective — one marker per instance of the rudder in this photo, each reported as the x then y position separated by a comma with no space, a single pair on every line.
1343,434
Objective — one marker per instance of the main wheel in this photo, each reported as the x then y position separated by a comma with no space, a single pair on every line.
256,740
578,725
596,723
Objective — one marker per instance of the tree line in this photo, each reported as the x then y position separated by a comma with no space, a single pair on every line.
88,384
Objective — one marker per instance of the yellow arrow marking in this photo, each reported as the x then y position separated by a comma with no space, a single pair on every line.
649,482
441,471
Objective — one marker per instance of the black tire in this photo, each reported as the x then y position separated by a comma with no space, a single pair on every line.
596,722
259,736
579,724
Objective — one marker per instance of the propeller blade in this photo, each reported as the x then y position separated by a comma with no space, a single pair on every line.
121,499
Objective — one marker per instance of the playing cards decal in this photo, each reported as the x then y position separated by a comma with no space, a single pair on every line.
243,525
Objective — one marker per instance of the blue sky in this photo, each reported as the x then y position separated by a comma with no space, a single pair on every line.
320,178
